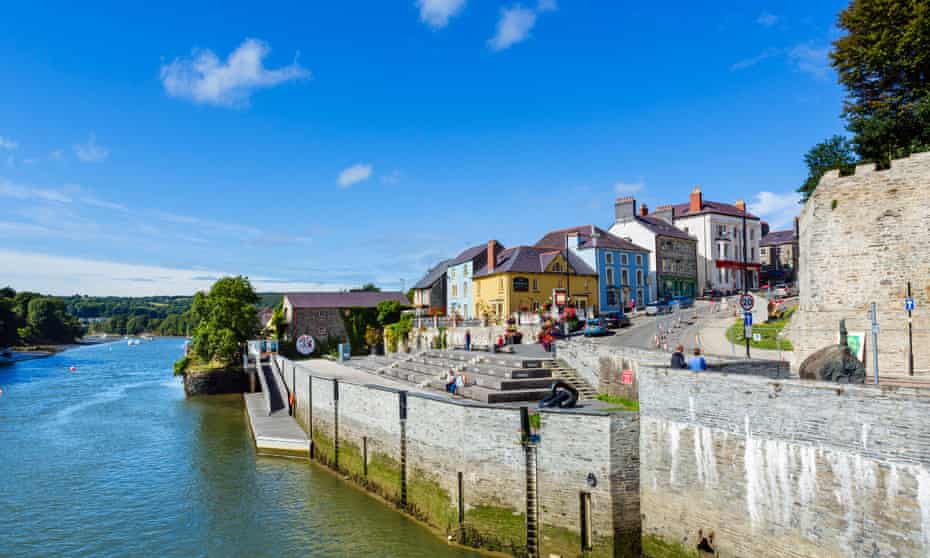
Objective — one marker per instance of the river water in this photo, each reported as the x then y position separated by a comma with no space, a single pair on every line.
112,460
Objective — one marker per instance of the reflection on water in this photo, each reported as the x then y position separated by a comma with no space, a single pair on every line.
112,460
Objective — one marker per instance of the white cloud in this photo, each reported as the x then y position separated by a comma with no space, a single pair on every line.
91,152
392,178
62,275
436,13
354,174
811,59
8,144
97,202
750,62
514,26
625,188
204,78
16,191
778,209
767,19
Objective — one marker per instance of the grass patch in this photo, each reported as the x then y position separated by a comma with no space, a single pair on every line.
495,529
768,331
384,476
562,542
621,403
431,503
323,445
654,547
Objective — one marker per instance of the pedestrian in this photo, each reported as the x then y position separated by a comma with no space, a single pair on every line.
697,362
678,358
467,339
450,382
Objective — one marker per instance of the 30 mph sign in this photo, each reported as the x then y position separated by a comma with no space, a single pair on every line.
746,302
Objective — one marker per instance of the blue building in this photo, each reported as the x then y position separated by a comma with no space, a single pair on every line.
459,273
622,267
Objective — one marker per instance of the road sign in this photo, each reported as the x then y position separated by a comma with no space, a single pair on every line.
757,337
909,304
306,345
747,318
627,377
747,301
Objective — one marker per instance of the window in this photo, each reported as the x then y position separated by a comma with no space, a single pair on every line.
612,298
321,332
464,289
752,234
455,290
535,306
752,253
639,260
560,284
624,278
610,276
623,259
500,285
452,275
586,285
536,285
465,271
609,258
465,311
639,277
557,267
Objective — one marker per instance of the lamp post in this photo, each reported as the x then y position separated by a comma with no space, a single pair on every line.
745,273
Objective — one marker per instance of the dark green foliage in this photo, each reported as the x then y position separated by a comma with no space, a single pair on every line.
32,318
226,317
884,63
357,321
278,324
367,287
832,153
180,366
389,311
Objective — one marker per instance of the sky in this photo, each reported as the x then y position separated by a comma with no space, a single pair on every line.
151,149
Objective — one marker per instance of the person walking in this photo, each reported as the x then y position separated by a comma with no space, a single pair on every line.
678,358
697,363
467,339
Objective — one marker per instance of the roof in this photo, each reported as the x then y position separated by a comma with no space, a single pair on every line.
662,227
433,275
684,210
590,237
468,254
532,259
778,237
352,299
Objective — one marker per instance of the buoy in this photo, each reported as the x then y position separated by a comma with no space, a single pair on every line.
1,392
73,368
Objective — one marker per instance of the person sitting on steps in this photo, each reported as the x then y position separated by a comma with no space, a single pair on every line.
678,358
697,362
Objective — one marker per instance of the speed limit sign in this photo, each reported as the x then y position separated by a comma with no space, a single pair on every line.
747,301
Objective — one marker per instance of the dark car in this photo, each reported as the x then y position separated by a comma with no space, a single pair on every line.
615,320
711,294
683,301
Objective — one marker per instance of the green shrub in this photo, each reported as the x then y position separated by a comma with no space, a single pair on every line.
180,366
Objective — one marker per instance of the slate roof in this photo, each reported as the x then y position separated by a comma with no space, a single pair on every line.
433,275
684,210
586,234
662,227
778,237
532,259
468,254
363,299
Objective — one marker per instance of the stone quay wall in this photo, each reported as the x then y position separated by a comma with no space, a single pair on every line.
862,237
784,468
446,450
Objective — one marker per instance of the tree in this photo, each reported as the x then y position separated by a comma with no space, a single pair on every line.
47,320
389,311
884,63
9,322
278,322
366,288
226,318
832,153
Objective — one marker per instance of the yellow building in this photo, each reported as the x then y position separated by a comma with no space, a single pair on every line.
523,278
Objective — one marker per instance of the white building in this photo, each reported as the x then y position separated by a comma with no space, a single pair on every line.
719,230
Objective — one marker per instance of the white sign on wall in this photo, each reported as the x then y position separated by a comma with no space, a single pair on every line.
306,345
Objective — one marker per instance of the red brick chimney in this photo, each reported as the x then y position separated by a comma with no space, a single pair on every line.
643,210
492,255
697,202
741,205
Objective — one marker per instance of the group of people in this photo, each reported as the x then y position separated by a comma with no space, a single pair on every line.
454,381
695,363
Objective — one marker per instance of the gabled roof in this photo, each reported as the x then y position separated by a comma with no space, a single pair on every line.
468,254
433,275
589,237
661,227
532,259
358,299
778,237
684,210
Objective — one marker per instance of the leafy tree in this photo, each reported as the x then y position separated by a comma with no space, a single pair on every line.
366,288
9,322
833,153
389,311
47,320
278,322
884,63
226,317
136,324
410,295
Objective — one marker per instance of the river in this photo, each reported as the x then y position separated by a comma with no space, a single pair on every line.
112,460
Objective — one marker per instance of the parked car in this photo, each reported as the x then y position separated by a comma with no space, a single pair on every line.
596,327
711,294
615,320
657,307
683,301
780,291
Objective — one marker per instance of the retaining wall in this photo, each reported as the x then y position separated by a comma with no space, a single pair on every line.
415,463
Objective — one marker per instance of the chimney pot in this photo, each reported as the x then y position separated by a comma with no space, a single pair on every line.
741,205
492,255
644,210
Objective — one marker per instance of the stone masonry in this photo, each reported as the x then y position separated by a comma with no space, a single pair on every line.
862,237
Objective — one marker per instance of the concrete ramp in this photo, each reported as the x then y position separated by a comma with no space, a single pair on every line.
277,433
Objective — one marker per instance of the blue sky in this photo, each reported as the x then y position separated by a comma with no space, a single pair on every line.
149,150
